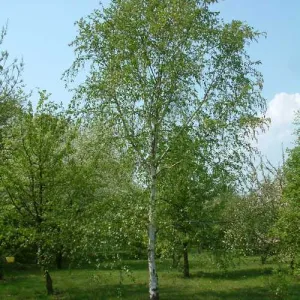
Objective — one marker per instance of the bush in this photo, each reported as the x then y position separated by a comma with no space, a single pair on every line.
279,283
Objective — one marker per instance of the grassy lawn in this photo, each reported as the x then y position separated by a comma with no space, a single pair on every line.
249,281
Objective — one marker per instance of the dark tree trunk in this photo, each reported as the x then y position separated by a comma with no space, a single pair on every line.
199,248
48,279
49,285
175,259
1,271
265,253
186,266
1,268
263,259
292,265
59,259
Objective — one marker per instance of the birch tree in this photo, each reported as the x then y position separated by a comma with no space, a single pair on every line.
151,65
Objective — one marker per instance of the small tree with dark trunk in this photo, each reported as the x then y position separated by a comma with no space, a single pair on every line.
33,163
190,196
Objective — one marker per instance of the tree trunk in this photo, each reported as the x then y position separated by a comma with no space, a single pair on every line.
153,278
49,285
292,265
199,248
263,259
175,259
48,280
1,269
59,260
186,266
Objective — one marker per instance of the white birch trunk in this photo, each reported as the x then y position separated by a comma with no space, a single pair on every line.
153,278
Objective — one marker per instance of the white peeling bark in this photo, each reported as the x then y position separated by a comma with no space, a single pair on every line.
153,278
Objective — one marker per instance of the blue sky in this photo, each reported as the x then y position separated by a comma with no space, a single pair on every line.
39,31
280,51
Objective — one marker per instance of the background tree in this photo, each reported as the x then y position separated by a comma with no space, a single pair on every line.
190,197
10,83
35,151
10,99
103,204
250,218
288,223
156,64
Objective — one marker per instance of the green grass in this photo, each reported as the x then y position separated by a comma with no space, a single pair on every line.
249,281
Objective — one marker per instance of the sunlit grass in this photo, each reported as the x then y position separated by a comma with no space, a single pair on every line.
248,281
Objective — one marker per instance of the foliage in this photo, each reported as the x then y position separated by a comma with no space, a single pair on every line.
10,100
289,217
35,150
192,195
102,206
10,83
279,284
250,218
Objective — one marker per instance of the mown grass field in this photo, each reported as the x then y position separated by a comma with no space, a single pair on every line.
249,281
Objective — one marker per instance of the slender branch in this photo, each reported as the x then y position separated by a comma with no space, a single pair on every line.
170,167
128,133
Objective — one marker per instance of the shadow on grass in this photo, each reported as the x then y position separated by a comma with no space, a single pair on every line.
88,290
140,292
234,274
255,293
105,292
21,276
233,294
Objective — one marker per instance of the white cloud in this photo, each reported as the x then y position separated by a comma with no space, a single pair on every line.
281,110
